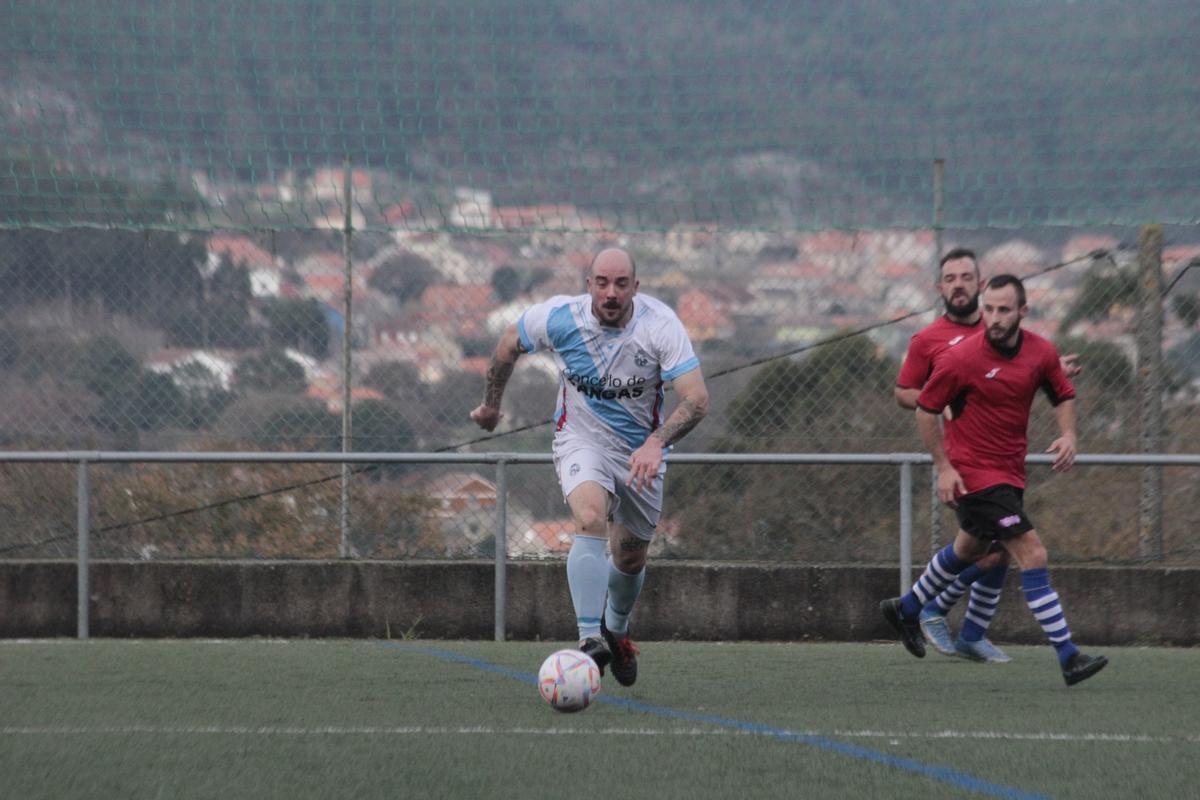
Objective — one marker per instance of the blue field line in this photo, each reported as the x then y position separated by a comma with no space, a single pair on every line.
950,776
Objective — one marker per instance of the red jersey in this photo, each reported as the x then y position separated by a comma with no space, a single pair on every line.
991,392
927,344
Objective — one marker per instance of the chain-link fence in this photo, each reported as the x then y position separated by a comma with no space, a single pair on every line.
259,226
801,351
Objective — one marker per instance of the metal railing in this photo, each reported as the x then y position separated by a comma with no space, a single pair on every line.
905,462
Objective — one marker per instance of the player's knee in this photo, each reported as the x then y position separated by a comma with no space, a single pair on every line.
591,521
969,549
630,562
992,559
1032,555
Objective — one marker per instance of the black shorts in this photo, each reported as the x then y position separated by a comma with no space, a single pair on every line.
994,513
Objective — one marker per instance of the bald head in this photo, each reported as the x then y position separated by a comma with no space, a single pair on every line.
613,258
612,283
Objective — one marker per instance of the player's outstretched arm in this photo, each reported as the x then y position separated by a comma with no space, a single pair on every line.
692,407
487,414
1066,445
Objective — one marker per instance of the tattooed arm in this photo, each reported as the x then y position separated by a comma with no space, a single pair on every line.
509,349
692,406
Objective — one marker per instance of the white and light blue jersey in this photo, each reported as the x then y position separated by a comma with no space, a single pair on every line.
611,379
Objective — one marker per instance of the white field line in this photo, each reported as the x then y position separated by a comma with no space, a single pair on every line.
277,730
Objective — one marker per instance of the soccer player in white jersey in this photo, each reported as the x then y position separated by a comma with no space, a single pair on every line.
616,349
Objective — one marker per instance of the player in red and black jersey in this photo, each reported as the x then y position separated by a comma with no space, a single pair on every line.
958,284
989,382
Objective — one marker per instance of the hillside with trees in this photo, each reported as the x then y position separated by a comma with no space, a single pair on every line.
1044,110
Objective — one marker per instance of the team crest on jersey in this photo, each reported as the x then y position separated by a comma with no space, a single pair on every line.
642,358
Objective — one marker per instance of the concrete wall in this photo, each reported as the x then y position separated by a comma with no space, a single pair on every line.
454,600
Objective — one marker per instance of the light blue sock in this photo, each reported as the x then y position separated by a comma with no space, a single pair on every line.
587,575
623,591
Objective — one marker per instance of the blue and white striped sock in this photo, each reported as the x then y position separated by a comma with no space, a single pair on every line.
1043,602
587,575
985,596
623,591
940,573
954,592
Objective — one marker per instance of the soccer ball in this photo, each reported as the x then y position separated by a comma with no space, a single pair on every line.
569,680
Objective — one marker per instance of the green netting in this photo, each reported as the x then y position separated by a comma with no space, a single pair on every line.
769,165
636,114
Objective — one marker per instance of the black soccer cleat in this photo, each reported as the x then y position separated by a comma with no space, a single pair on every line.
909,629
624,656
597,649
1080,667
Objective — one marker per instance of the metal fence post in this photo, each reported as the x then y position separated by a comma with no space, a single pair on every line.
344,549
83,511
939,227
1149,388
501,547
935,514
906,525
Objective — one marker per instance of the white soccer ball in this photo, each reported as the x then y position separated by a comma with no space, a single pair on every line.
569,680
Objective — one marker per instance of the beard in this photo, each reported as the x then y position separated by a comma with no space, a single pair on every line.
997,335
964,310
610,314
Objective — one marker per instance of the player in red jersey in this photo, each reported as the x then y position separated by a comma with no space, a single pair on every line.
958,284
989,382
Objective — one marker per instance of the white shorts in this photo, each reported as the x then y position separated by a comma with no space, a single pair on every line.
638,511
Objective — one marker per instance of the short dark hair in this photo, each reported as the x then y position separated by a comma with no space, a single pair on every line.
957,253
1004,279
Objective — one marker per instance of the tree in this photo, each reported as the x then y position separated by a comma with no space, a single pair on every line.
301,324
452,399
270,371
1187,308
382,427
398,380
789,398
1105,285
536,277
506,284
227,306
404,276
837,397
1107,371
131,399
105,367
221,313
300,425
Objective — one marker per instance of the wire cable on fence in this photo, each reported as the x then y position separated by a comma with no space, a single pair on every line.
789,353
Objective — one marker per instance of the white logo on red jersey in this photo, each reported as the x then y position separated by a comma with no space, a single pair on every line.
955,340
992,372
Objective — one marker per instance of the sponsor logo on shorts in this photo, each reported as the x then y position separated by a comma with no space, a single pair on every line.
574,470
1009,521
